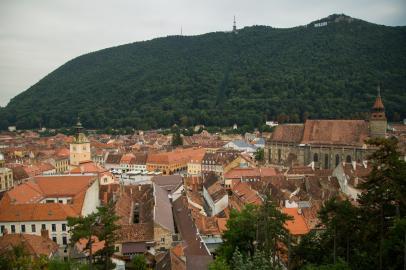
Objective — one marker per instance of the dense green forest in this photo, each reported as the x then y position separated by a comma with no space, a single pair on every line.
218,79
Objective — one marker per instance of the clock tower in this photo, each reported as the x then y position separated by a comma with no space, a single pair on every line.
80,147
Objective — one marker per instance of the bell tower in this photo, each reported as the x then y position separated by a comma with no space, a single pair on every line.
378,122
80,147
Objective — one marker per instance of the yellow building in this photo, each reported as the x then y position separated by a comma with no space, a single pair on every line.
6,176
80,147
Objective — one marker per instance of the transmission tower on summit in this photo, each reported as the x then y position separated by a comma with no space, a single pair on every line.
234,26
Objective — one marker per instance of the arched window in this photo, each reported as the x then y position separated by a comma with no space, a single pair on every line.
315,157
326,161
337,160
348,159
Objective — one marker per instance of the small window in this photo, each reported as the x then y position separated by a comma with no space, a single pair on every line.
13,228
43,227
162,239
64,240
54,239
33,229
54,227
23,228
64,227
117,248
2,228
348,159
60,201
337,159
316,157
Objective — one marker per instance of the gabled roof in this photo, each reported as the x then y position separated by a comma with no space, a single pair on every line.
245,194
297,226
167,182
337,132
113,158
22,202
288,133
33,244
163,209
19,173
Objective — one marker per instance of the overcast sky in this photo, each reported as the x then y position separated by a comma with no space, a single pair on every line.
37,36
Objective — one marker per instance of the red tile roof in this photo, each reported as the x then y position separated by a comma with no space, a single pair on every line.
33,244
22,202
297,226
337,132
238,173
288,133
245,194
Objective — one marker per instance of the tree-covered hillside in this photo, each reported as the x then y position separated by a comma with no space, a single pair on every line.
222,78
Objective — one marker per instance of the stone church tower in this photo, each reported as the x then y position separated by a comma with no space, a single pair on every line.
80,147
378,122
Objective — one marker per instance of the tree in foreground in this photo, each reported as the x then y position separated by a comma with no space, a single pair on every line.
101,225
254,238
372,235
139,262
84,228
106,232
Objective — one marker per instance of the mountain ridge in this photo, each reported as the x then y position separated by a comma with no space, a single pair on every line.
221,78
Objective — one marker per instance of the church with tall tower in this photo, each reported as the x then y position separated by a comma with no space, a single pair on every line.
80,147
378,122
326,143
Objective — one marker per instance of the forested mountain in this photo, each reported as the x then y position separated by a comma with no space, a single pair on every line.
222,78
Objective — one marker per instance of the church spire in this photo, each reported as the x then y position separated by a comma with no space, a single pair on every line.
378,105
377,121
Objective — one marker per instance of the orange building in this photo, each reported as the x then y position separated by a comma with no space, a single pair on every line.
174,161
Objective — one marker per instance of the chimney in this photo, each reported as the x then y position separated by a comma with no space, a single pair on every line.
45,234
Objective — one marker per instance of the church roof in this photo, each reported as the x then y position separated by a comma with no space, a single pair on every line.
288,133
378,103
337,132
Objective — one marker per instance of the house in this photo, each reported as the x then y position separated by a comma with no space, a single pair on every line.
34,245
19,175
6,176
172,162
172,184
242,146
89,167
350,175
146,220
214,194
134,162
113,161
297,227
194,165
46,202
247,174
60,163
164,228
221,161
134,206
243,194
194,251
